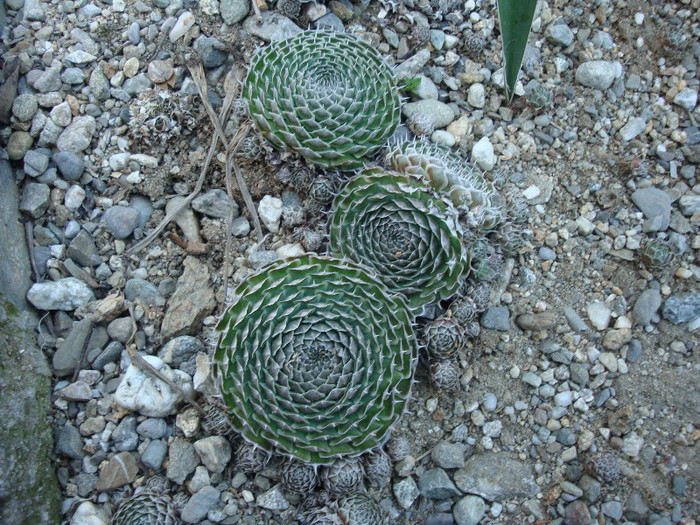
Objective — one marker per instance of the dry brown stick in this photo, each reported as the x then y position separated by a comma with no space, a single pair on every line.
197,72
29,235
145,365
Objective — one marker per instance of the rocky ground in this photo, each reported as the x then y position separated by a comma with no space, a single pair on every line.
584,349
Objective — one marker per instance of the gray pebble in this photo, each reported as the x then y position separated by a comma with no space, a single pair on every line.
68,442
596,74
78,135
681,310
99,85
469,510
532,379
273,499
689,204
124,436
330,21
654,202
436,484
49,80
240,227
211,51
579,374
612,509
262,258
180,350
182,460
496,318
142,290
547,254
574,320
647,304
152,428
490,402
591,488
274,26
214,203
143,205
437,113
82,250
72,76
110,354
406,491
25,107
634,351
233,11
559,33
448,455
632,128
120,329
121,221
137,84
155,453
566,437
440,518
35,162
34,199
134,33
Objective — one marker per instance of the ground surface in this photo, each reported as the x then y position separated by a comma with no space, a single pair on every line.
609,364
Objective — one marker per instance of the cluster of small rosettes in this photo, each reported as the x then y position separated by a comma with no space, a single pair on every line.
605,467
323,190
421,33
442,337
146,508
293,216
398,448
343,476
656,255
216,421
251,459
474,45
445,374
299,477
289,8
378,467
420,125
311,239
355,509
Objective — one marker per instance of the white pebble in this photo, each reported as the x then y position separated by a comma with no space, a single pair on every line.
270,210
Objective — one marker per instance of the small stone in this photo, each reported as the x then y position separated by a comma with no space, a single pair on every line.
406,491
143,291
142,392
25,107
274,26
495,476
270,210
532,379
647,304
599,315
124,436
160,71
496,318
476,96
183,24
689,205
635,508
215,452
215,203
612,509
469,510
483,154
69,164
233,11
531,192
79,57
121,329
155,453
537,321
654,202
182,460
240,227
119,161
89,514
679,309
437,113
596,74
687,98
273,499
577,513
559,33
49,80
632,129
131,67
34,199
616,339
185,219
436,484
121,221
68,442
448,455
74,198
196,509
99,85
78,135
632,444
192,301
18,144
65,294
120,470
61,115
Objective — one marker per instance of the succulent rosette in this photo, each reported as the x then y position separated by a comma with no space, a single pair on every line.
327,96
146,508
315,359
407,234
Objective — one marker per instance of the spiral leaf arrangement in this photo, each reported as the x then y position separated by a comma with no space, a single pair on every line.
447,173
409,236
315,359
146,508
327,96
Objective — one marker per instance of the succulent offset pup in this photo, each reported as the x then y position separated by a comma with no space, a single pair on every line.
327,96
315,359
407,234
